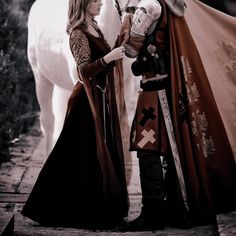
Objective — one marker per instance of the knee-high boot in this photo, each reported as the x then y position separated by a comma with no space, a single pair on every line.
153,194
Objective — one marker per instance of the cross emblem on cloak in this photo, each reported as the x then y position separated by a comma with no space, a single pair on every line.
147,137
148,114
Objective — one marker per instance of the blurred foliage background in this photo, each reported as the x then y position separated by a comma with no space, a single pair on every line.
18,104
226,6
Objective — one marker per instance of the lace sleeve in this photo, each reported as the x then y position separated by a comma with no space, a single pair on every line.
80,47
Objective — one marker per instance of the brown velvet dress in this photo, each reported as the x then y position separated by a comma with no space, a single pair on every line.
82,183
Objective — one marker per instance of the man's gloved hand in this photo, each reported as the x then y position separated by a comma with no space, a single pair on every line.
145,17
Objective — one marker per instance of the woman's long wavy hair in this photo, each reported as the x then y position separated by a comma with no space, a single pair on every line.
77,10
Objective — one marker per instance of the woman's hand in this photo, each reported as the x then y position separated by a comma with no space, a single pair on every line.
115,54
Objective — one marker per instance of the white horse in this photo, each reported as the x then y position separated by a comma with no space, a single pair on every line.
53,65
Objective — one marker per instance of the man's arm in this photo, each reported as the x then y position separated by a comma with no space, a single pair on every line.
143,22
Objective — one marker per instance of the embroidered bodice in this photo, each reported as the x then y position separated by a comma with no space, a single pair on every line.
88,50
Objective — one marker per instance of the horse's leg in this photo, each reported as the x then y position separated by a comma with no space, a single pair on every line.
44,88
59,101
44,91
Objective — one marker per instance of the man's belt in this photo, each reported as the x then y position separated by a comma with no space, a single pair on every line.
154,83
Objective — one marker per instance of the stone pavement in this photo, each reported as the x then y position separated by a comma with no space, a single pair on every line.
18,176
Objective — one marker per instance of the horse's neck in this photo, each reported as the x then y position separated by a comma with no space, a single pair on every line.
109,21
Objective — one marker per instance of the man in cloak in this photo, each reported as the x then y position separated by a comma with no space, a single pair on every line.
182,136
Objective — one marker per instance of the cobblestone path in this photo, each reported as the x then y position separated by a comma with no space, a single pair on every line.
18,176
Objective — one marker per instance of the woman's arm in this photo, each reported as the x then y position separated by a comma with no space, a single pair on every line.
80,49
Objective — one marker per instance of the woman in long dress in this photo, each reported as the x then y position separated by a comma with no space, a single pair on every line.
82,184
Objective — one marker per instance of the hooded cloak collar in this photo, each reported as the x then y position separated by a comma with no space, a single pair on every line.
177,7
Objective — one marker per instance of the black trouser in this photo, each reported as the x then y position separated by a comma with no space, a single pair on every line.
152,184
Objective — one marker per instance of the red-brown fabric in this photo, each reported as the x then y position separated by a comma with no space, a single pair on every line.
82,184
206,156
215,37
111,184
150,133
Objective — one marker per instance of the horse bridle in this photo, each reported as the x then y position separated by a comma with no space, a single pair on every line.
124,9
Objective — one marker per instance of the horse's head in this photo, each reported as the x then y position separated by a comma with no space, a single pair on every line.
111,15
123,6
